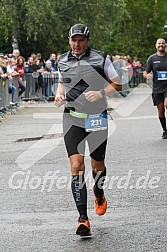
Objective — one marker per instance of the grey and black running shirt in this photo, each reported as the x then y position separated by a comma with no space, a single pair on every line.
83,74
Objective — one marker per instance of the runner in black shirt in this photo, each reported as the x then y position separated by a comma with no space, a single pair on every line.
156,67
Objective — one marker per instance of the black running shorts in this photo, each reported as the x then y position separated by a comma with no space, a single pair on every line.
158,98
75,138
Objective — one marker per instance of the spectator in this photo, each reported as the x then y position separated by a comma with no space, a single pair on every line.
41,60
1,56
21,77
127,73
4,65
117,63
1,71
136,67
3,74
53,60
11,73
50,76
40,83
16,54
11,67
58,56
35,66
31,66
34,56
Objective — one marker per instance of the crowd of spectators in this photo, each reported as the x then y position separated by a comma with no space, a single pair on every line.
129,70
15,65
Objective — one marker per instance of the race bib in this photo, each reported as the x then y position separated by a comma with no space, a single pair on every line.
96,122
162,75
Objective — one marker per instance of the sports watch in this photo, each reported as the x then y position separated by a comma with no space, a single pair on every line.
102,91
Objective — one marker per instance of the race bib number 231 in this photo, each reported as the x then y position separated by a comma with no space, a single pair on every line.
96,122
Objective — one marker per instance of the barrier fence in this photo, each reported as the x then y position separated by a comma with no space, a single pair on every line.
137,77
37,87
40,86
8,86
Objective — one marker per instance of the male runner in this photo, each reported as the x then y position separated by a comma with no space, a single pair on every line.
156,67
86,77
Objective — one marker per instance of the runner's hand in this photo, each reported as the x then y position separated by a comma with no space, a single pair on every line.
149,76
59,100
92,96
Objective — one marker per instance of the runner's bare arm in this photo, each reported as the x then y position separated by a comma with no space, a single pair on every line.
113,86
59,98
147,75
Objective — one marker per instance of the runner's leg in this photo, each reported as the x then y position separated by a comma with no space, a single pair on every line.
78,185
161,114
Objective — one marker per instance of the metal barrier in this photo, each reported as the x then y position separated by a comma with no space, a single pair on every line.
40,86
50,83
31,79
137,77
16,93
3,92
7,97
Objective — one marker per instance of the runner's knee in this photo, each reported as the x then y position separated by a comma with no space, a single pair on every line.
77,167
165,103
161,111
97,166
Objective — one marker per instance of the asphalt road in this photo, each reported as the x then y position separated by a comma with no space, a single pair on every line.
37,212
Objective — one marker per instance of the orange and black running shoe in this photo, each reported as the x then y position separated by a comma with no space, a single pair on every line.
83,227
100,204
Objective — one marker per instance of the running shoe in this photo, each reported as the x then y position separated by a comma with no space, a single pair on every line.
83,227
100,204
164,135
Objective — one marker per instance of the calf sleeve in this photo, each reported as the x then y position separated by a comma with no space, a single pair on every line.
163,122
79,191
99,182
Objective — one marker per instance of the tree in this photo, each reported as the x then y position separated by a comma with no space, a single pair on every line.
122,25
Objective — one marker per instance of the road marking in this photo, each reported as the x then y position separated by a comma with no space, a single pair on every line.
136,118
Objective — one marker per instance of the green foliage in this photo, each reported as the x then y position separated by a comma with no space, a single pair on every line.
130,27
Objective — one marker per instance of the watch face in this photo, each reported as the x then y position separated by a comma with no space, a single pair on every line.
102,92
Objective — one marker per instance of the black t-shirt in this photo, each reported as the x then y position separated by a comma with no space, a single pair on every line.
158,65
32,68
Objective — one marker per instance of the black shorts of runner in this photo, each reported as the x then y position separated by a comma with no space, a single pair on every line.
75,138
158,98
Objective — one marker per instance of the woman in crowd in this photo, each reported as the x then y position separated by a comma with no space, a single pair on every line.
20,70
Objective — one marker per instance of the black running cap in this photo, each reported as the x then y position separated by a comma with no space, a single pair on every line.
80,29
